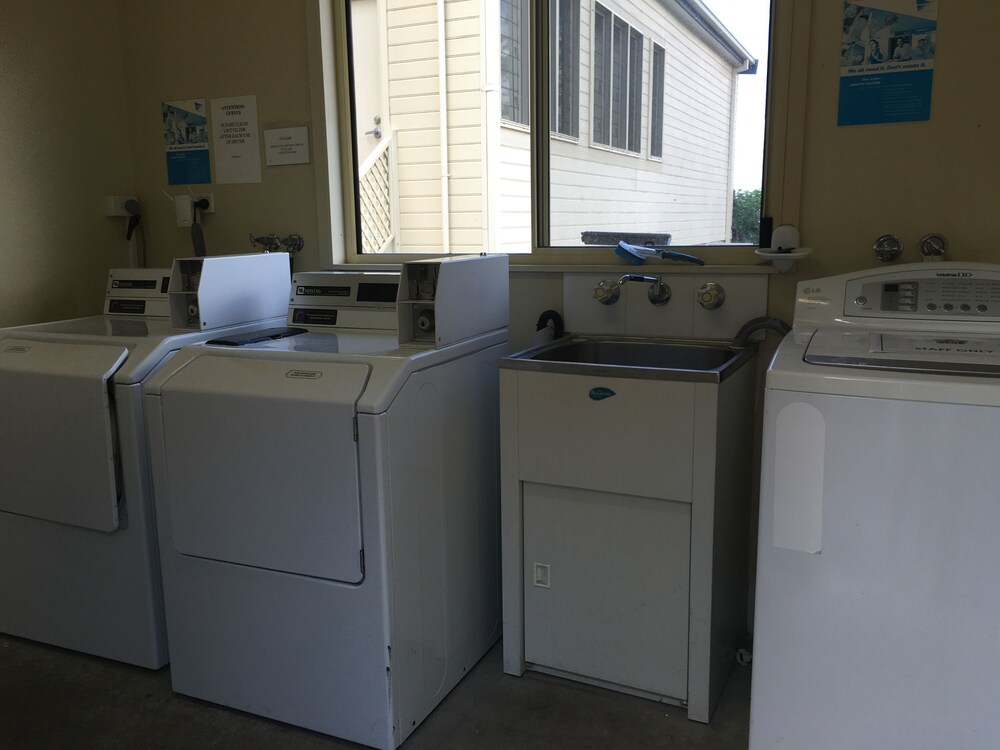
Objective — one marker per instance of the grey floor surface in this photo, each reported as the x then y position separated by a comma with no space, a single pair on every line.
52,698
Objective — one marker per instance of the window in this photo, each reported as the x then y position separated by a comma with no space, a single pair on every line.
439,169
514,60
564,74
596,189
602,74
617,105
656,102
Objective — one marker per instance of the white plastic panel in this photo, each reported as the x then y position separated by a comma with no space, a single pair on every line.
615,607
607,433
57,444
262,465
799,451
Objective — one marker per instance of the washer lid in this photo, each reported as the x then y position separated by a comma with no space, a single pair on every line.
946,353
262,464
58,441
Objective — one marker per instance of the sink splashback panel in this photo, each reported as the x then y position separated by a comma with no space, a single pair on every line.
682,317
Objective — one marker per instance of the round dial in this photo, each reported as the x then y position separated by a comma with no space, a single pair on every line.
888,248
933,245
711,296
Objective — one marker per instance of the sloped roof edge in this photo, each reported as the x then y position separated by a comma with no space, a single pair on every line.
697,16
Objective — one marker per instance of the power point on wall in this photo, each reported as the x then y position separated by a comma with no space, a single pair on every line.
210,197
114,205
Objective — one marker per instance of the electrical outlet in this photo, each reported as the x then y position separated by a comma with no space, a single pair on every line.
210,197
114,205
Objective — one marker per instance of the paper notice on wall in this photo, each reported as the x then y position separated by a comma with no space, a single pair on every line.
185,138
887,61
286,146
234,130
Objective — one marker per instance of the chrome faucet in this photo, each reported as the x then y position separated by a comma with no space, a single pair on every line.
659,293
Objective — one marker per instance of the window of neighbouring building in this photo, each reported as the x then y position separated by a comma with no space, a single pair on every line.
514,19
656,102
564,81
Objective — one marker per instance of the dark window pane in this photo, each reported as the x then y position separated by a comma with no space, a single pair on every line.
634,90
602,75
619,92
656,102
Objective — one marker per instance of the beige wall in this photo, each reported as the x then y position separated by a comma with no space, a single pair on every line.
79,123
187,50
908,179
64,144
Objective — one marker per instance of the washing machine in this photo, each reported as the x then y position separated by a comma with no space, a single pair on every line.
78,557
877,603
327,499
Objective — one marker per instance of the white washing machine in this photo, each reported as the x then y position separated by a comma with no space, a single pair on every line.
78,559
328,500
878,603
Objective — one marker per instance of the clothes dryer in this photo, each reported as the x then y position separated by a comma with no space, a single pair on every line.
78,559
877,600
327,498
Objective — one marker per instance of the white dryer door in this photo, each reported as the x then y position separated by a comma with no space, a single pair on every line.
58,437
262,465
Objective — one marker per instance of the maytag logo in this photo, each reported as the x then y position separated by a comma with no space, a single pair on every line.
953,274
17,349
304,374
599,394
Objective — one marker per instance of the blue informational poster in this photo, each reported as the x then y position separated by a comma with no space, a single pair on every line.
887,61
185,136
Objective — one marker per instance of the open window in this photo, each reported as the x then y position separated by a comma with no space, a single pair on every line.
553,125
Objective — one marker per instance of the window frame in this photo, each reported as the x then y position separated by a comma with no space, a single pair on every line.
329,47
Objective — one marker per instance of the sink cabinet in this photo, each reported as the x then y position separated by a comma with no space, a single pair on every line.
624,510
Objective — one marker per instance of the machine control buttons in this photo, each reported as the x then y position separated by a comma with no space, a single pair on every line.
982,308
948,306
965,307
861,301
931,306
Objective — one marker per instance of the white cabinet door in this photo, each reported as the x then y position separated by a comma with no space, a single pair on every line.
606,587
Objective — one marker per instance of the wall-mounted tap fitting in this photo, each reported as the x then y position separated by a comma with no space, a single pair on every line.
658,293
607,292
272,243
711,295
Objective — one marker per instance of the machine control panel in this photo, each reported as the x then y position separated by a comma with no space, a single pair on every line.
137,292
953,296
345,299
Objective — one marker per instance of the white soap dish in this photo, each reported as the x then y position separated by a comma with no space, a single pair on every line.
784,262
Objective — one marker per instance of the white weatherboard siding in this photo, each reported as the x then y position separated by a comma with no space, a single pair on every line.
515,190
414,104
687,193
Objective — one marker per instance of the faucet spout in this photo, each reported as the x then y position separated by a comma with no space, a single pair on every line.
639,277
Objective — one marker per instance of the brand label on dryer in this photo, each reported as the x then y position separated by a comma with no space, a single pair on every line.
304,374
17,349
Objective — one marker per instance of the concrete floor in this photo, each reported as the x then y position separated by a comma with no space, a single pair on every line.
51,698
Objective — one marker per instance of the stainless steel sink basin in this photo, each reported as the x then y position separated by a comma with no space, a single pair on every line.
642,358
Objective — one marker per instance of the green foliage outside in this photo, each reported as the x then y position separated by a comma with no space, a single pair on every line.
746,216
